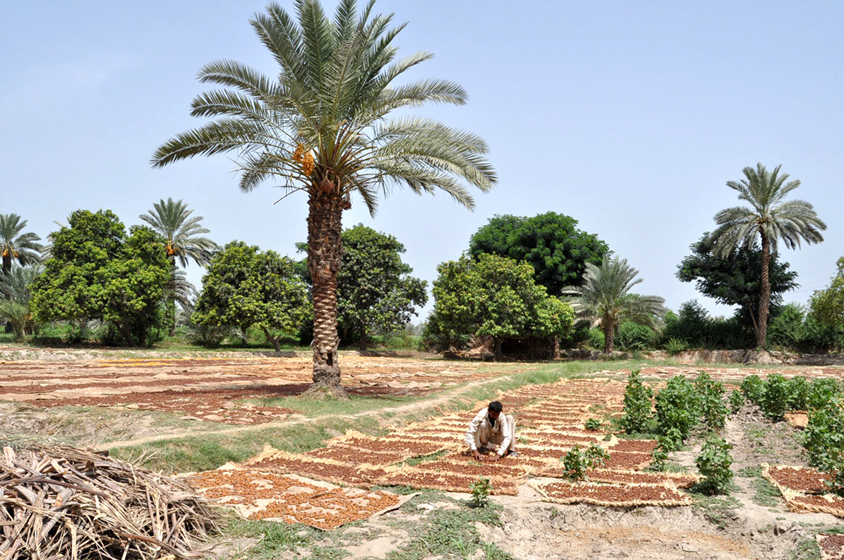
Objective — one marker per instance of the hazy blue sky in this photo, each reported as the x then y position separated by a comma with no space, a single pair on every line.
628,116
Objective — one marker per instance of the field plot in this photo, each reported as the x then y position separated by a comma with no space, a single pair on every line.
214,389
804,489
551,417
256,494
737,374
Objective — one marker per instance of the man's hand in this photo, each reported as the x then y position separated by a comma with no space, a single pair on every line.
478,456
496,457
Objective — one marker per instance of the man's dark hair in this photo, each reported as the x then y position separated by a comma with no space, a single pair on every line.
496,406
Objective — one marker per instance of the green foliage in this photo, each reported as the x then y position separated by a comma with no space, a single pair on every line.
575,463
822,392
98,272
672,440
495,297
592,424
714,464
633,337
596,339
675,346
736,400
775,398
677,407
637,404
697,329
711,400
14,299
753,388
798,389
604,298
245,287
824,434
481,489
375,292
550,243
735,279
828,304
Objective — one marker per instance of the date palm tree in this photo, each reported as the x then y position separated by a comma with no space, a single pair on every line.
182,235
769,219
323,128
16,246
605,300
173,222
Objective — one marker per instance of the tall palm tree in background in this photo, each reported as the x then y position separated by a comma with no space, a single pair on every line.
322,128
182,235
605,300
172,221
16,246
769,218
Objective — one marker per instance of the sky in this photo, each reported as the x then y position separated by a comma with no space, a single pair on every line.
628,116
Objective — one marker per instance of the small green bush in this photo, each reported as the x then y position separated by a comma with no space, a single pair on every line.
637,405
675,346
677,407
798,393
596,339
576,463
822,392
672,440
736,400
714,464
753,388
775,397
593,424
632,337
481,489
824,436
711,398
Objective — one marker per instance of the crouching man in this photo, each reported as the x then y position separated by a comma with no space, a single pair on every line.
490,429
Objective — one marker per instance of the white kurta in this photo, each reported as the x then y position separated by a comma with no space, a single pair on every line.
482,433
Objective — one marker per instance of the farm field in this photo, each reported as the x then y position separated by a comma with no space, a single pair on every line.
382,475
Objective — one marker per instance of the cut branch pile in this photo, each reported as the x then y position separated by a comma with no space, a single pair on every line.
61,502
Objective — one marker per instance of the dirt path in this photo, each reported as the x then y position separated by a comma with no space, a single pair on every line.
410,408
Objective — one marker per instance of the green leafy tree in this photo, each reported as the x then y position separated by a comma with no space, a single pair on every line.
768,219
97,271
374,288
550,243
494,297
827,305
16,246
245,287
605,300
735,279
323,128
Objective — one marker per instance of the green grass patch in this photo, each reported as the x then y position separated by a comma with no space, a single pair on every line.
209,451
718,510
766,493
451,533
749,472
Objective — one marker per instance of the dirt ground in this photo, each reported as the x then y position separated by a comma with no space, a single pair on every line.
39,390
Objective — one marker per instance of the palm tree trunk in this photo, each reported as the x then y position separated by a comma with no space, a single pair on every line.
609,337
765,294
325,251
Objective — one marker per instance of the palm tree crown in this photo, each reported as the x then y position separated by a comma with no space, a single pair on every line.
323,128
172,221
605,300
16,246
770,219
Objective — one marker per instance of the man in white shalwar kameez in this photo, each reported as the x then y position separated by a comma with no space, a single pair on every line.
489,430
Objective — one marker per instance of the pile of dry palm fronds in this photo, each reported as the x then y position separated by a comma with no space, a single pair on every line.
61,502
